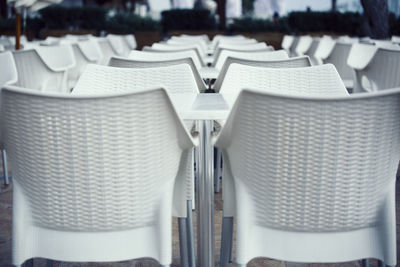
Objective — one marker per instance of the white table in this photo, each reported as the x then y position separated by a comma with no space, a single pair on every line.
209,73
205,108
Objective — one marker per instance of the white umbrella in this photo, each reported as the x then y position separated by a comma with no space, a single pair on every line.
182,3
233,9
267,8
24,5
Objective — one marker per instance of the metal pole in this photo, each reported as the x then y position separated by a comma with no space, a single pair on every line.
205,197
17,31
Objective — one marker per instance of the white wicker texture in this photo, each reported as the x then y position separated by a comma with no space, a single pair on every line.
255,56
305,173
8,75
35,73
317,80
336,53
155,56
174,49
258,47
177,80
294,62
107,50
376,68
134,63
107,166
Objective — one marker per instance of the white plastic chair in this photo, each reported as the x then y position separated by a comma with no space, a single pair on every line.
8,75
311,51
76,206
287,42
303,45
44,68
294,62
316,80
219,37
107,50
336,53
376,68
396,39
305,192
131,41
85,52
119,44
150,62
185,41
258,47
177,80
245,55
163,48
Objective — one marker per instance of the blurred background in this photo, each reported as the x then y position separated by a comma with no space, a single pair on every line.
154,20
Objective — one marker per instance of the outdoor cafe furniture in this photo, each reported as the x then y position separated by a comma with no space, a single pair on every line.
103,190
376,67
336,52
44,68
294,62
304,191
8,75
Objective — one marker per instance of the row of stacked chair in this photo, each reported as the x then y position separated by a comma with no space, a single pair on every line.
364,64
309,170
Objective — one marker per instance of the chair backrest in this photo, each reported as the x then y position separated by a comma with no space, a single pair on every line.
262,47
8,70
119,44
175,47
336,53
35,73
236,42
131,41
302,164
255,56
137,63
316,81
156,56
311,51
304,45
106,49
161,48
294,62
75,187
396,39
287,42
185,41
219,37
376,68
177,79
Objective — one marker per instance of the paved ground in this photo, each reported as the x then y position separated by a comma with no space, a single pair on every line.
5,241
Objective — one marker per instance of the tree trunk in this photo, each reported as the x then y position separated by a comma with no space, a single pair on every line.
3,9
376,18
222,14
333,9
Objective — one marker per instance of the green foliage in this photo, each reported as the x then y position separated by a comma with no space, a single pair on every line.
128,23
248,6
345,23
394,24
187,19
248,24
34,24
87,18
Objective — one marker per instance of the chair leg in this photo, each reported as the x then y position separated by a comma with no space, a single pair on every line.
5,167
365,263
190,235
29,263
217,173
183,242
226,240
